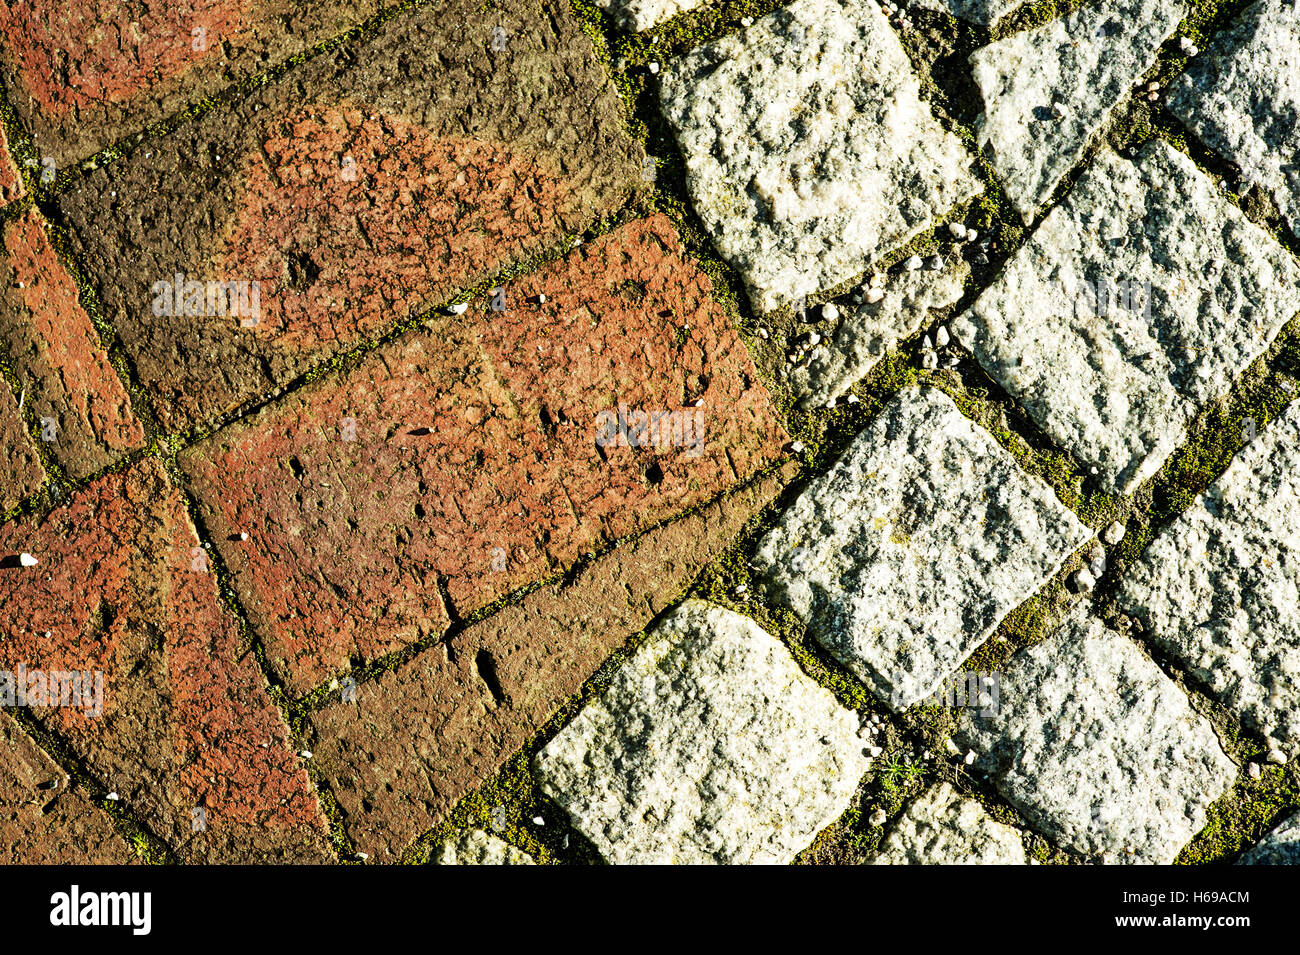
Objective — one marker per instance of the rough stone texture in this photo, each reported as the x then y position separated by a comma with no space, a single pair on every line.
84,75
1219,587
709,745
362,188
477,847
42,820
861,338
1118,384
984,12
1047,91
1098,749
475,457
56,352
945,828
1242,98
641,15
906,554
11,182
418,738
187,720
21,471
788,125
1280,847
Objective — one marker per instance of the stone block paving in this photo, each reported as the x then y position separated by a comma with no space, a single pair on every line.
384,445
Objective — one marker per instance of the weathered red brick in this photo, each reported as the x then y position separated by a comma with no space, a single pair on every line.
21,471
56,352
43,819
84,74
417,738
474,456
362,188
11,182
187,720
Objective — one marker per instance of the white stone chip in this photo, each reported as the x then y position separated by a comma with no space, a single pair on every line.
863,337
945,828
1280,847
808,150
710,745
1219,587
905,555
1098,749
27,560
1243,99
1111,325
477,847
639,15
1086,63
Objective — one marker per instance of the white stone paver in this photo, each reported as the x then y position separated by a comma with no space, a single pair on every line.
1242,98
1279,847
477,847
1047,91
1097,748
808,149
1219,588
943,827
905,556
709,745
984,12
1116,378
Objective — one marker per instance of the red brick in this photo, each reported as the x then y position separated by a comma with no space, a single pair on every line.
43,821
84,74
417,738
362,188
187,719
475,457
11,183
21,471
56,352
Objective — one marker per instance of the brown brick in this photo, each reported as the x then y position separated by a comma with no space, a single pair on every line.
42,820
475,458
187,720
11,183
84,74
362,188
56,352
417,738
21,471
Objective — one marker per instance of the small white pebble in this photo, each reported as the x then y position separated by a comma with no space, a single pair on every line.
306,754
952,748
1275,755
1252,770
913,263
27,560
1084,581
457,309
969,758
762,333
746,21
654,67
362,856
814,338
853,399
830,312
243,535
972,235
941,338
112,797
878,818
875,294
1113,534
538,821
797,447
926,343
958,230
541,299
877,280
1185,43
934,263
874,751
929,360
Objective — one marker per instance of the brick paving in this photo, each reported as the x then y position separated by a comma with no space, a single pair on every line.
512,433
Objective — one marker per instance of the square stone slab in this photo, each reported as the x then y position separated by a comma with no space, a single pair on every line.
1140,298
1220,587
808,150
1047,91
945,828
709,745
1098,749
905,556
1242,98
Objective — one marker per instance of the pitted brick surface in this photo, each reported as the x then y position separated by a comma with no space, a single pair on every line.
476,456
362,188
906,554
419,737
21,471
42,820
187,721
85,75
56,352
